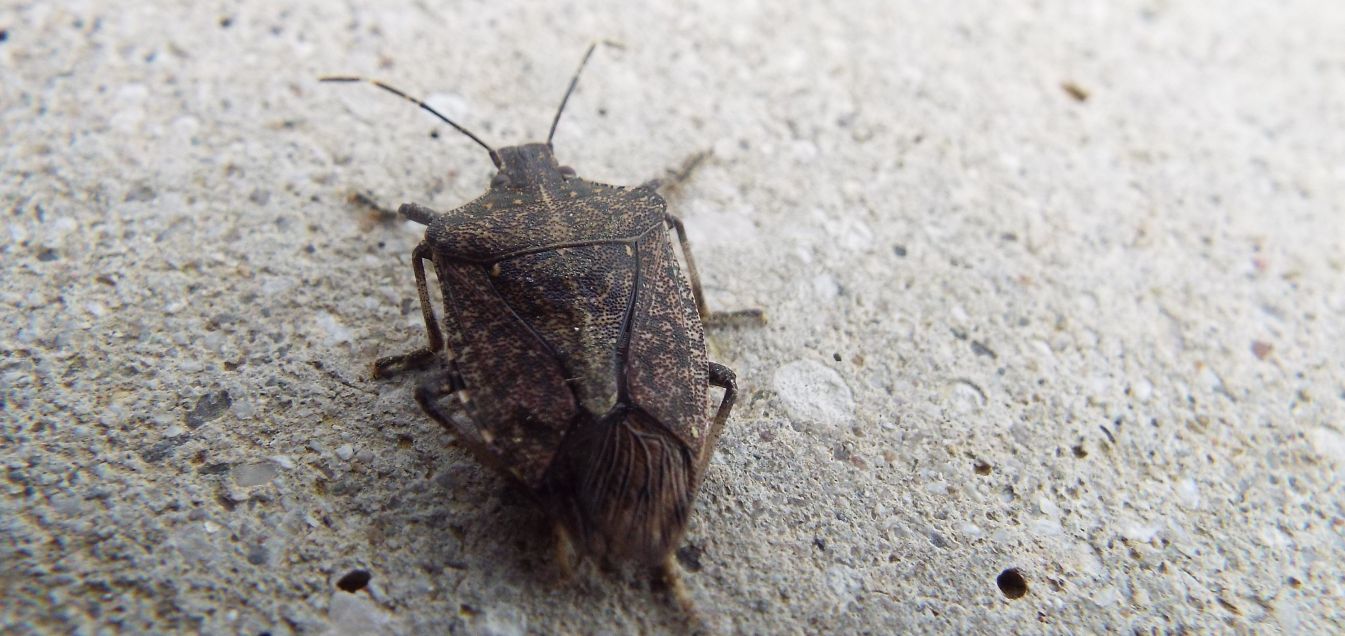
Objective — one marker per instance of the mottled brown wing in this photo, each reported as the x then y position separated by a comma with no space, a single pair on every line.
666,369
516,388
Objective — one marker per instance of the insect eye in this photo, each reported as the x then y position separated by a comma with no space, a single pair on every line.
567,172
501,180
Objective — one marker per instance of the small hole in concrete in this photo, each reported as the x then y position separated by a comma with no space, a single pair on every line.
1080,452
354,581
982,468
1012,583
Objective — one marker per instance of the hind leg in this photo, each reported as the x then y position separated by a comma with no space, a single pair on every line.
567,558
430,397
667,574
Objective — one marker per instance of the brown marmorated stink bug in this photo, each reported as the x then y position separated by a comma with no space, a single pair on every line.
575,347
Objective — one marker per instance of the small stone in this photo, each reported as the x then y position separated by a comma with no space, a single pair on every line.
845,582
356,614
333,331
1139,533
1045,527
826,288
345,451
813,393
258,555
1048,507
1188,493
1107,597
243,409
1261,350
501,621
248,475
279,285
1143,390
1328,443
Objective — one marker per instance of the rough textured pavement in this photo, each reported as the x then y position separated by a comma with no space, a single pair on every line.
1053,287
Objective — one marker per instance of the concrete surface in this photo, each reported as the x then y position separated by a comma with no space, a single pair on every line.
1053,286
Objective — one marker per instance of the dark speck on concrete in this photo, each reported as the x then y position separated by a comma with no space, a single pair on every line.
209,407
141,192
162,450
690,557
982,350
214,469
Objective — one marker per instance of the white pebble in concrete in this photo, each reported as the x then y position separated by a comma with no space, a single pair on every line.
813,393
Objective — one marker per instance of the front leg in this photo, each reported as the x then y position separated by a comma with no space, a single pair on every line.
420,358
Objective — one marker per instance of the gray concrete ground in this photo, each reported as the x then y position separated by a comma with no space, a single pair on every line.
1052,286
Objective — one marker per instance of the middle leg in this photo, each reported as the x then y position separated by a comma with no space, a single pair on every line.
724,378
709,318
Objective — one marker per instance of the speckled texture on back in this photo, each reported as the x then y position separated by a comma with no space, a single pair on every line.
579,342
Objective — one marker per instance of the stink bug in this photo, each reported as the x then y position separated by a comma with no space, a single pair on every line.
574,344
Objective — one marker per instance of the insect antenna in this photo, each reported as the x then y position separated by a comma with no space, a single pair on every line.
573,82
494,158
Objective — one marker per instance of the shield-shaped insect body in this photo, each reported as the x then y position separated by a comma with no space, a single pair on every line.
574,344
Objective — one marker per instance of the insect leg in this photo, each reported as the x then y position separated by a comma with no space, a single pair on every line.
666,573
567,557
420,358
724,378
429,395
717,318
676,176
